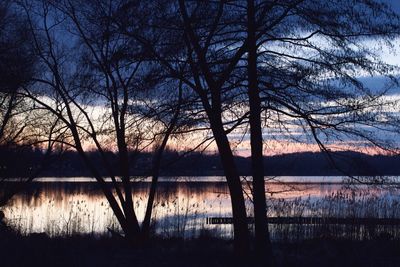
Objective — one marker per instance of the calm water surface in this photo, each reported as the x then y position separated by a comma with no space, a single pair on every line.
67,206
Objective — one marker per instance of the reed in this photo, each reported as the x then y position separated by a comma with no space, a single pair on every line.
181,214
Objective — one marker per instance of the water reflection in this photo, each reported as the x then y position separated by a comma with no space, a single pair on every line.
76,206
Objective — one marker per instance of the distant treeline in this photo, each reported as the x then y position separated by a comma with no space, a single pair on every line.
22,161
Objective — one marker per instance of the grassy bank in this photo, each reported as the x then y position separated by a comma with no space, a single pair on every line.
40,250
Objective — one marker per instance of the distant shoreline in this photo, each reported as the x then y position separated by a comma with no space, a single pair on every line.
283,180
197,164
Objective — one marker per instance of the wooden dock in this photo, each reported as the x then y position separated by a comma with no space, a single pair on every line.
313,220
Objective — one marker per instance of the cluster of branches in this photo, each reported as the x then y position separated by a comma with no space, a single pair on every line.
17,121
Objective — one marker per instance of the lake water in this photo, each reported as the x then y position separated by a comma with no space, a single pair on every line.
67,206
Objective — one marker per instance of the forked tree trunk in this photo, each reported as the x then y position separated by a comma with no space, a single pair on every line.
129,225
133,229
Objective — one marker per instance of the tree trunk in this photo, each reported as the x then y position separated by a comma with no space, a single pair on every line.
156,167
107,193
262,240
130,229
133,228
241,231
153,187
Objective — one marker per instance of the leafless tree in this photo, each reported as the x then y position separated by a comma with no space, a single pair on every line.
299,60
101,88
291,72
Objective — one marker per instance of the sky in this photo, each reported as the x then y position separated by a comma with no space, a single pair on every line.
276,143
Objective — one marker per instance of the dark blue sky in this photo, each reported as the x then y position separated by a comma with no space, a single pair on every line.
395,4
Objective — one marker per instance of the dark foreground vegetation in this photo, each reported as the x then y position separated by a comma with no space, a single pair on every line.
360,228
40,250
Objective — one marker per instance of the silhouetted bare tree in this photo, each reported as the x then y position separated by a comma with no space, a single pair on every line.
171,41
300,61
100,86
302,57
